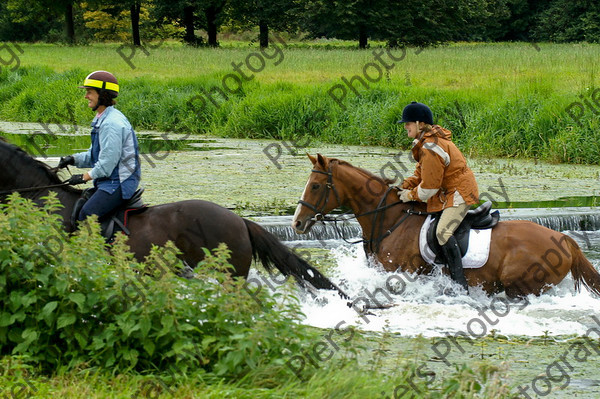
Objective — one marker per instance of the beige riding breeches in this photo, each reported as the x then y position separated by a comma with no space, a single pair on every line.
449,221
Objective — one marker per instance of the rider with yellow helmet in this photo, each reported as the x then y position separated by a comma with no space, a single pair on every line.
114,153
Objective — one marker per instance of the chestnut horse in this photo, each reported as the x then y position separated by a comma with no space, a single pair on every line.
525,258
190,225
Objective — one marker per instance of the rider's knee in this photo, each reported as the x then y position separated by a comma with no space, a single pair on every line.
443,235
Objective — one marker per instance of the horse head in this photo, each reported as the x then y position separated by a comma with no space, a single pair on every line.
19,170
320,195
334,183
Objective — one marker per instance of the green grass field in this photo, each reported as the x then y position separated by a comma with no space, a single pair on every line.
507,100
504,99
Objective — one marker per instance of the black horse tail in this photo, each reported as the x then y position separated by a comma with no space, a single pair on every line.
272,252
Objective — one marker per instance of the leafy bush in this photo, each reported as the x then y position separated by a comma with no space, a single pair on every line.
66,302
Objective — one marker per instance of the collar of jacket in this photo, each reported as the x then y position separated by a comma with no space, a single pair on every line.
98,119
436,131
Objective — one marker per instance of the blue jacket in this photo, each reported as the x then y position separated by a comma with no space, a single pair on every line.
113,155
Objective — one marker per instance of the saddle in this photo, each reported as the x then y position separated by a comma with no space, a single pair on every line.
114,221
479,218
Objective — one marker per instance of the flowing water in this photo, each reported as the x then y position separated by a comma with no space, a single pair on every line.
420,306
258,177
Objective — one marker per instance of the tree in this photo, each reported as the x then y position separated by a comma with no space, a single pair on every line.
214,17
64,7
33,20
341,19
108,22
181,11
400,22
569,21
280,15
134,10
207,14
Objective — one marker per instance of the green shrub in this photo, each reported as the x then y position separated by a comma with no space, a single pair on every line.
66,302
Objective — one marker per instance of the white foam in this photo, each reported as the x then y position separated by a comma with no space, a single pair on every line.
421,308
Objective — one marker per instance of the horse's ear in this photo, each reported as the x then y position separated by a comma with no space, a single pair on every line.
312,159
322,161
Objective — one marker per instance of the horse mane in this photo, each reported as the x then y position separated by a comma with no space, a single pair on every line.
35,164
370,175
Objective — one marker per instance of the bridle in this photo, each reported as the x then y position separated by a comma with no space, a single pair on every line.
324,198
37,188
378,213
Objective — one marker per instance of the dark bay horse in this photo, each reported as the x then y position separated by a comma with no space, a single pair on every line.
525,258
190,225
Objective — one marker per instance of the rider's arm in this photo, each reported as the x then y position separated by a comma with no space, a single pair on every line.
414,180
433,164
83,159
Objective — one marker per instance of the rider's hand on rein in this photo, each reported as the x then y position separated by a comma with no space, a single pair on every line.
66,161
75,179
405,195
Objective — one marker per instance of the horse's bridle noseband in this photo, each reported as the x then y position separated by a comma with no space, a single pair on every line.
324,198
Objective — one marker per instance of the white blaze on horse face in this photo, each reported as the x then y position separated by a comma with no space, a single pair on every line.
299,207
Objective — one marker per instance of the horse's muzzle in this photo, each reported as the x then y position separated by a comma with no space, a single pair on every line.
303,226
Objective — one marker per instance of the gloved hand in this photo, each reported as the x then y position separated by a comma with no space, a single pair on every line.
65,161
75,179
405,195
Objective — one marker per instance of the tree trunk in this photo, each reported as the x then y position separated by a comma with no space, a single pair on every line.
362,37
135,23
211,25
70,23
188,21
263,36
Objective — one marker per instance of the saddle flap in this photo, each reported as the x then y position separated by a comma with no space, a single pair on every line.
461,234
479,219
85,195
476,248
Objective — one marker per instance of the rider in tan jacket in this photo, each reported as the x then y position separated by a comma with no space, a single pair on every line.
442,179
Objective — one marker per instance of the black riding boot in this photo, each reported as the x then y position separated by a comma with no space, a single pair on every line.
454,262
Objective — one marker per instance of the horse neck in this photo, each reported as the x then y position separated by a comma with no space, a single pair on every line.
65,197
364,195
19,174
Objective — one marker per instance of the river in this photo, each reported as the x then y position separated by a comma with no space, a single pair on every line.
258,177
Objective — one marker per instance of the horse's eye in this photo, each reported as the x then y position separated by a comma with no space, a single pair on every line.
316,186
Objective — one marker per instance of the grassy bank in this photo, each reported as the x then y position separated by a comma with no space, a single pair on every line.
491,367
499,99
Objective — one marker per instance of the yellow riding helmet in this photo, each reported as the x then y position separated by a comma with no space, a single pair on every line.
101,80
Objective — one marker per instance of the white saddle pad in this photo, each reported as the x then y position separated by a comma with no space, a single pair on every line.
477,253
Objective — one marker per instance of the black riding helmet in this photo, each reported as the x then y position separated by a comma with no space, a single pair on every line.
417,112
